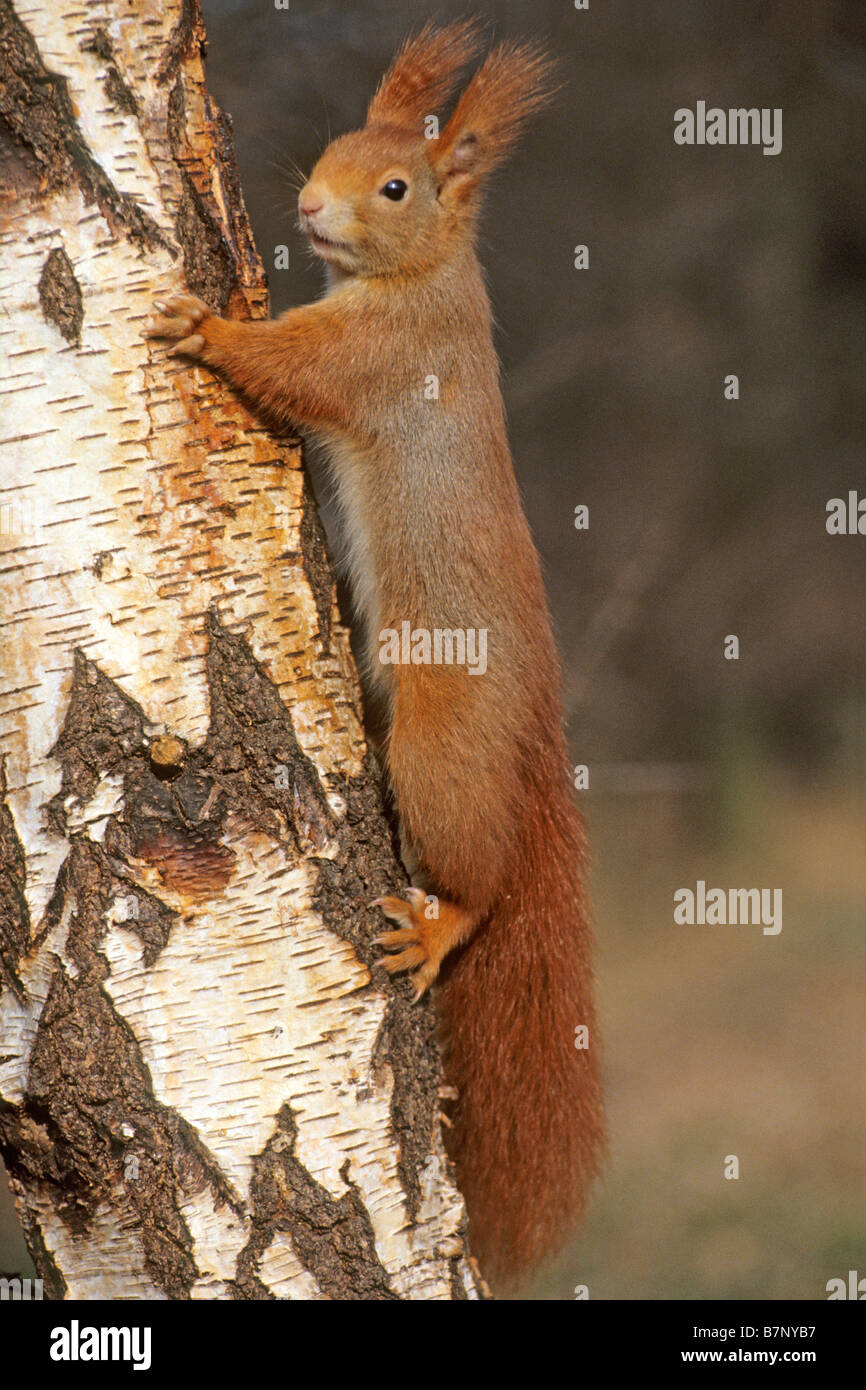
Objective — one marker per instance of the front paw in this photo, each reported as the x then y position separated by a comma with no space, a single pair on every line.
183,319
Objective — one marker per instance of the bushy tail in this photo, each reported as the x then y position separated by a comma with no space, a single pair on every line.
528,1135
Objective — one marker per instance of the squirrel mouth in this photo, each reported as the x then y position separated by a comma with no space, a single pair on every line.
323,244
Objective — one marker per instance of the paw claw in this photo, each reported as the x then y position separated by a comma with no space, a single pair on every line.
407,936
406,960
177,317
415,942
188,347
397,910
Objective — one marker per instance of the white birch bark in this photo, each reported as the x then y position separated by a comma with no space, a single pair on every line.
202,1092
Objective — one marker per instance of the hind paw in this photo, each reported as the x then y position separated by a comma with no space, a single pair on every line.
422,941
414,943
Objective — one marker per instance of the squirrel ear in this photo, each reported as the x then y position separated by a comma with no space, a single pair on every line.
423,74
513,82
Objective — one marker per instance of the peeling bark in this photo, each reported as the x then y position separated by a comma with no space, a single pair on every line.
206,1088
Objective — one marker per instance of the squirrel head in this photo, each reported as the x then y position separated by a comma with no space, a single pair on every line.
400,196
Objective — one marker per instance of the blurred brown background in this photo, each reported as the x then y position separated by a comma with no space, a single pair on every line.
707,517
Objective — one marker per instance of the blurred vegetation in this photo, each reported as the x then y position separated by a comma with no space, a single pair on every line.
707,517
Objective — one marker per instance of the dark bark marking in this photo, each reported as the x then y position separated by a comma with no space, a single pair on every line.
333,1238
60,296
37,112
176,120
408,1038
119,93
14,912
87,1084
251,736
19,173
54,1285
365,868
317,563
208,263
458,1289
162,821
240,225
102,730
147,916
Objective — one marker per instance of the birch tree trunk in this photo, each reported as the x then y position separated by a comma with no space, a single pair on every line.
203,1093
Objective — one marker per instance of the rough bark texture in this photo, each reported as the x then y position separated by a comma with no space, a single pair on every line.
203,1093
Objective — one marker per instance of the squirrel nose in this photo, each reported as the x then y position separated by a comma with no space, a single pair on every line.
310,202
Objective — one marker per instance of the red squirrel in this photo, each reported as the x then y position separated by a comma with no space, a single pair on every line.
395,369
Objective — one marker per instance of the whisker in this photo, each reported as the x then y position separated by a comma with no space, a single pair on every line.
284,162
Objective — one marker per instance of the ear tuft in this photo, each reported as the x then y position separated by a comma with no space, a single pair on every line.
515,80
423,74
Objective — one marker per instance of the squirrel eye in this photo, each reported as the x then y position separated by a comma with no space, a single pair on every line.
395,189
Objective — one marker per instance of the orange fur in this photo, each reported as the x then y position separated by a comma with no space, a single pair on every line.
423,74
437,538
513,82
